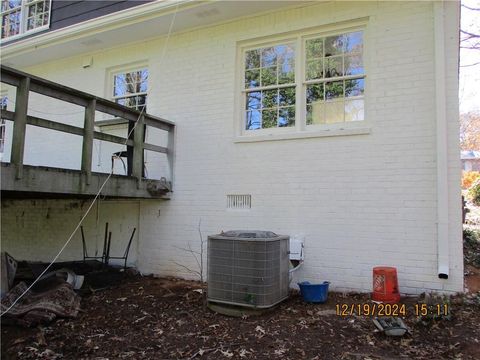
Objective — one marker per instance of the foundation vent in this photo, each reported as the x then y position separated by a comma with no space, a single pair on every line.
239,202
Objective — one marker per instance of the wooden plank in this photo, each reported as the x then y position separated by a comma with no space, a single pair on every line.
138,132
48,88
171,153
158,123
112,138
59,94
19,126
156,148
10,79
70,129
87,145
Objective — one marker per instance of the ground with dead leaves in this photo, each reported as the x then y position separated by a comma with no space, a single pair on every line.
151,318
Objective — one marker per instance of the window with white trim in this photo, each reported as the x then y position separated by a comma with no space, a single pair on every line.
130,88
24,16
326,88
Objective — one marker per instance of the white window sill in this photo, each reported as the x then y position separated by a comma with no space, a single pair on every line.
26,33
303,135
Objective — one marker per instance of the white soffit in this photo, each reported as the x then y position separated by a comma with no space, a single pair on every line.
131,25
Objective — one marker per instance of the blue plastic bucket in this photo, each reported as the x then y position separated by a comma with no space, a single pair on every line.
314,293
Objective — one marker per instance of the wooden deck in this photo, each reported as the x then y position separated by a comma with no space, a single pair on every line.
20,180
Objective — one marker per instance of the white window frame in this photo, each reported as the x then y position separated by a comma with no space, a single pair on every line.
300,130
125,70
107,120
23,19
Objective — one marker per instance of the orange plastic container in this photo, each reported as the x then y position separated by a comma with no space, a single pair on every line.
385,285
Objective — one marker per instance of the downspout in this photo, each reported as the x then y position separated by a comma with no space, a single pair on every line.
441,137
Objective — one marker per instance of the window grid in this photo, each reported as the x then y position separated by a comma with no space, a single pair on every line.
130,88
351,78
24,16
331,91
262,110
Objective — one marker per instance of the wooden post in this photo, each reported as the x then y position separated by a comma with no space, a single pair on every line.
87,147
20,126
171,152
138,136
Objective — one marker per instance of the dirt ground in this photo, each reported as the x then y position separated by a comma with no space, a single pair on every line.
153,318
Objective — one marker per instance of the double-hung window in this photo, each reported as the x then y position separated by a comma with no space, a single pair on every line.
24,16
306,83
270,87
130,88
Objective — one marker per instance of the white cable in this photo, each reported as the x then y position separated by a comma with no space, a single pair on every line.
74,231
96,196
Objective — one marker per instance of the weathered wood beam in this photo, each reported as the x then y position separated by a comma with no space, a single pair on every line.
163,125
156,148
138,132
70,129
171,152
45,87
20,126
87,145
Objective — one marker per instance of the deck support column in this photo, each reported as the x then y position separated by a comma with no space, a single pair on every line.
138,136
171,153
87,147
20,126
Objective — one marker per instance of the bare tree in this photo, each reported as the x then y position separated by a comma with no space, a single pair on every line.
470,131
199,259
470,40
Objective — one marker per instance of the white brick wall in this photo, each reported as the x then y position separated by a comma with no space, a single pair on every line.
360,201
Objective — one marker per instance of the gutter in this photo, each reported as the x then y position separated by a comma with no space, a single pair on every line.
97,25
441,137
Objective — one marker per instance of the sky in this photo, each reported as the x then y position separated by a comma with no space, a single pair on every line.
469,89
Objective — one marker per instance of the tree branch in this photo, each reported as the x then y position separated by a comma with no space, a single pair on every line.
474,64
470,8
470,34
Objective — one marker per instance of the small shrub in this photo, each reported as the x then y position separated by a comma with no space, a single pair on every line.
469,178
471,247
474,193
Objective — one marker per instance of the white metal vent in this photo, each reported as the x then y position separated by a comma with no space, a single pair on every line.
239,201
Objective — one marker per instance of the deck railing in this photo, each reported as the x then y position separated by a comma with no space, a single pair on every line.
26,83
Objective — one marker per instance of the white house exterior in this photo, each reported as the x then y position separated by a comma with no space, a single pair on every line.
367,178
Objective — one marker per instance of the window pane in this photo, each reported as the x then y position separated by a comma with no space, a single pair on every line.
11,24
286,63
353,65
253,120
334,66
254,100
252,59
286,116
333,90
354,42
269,57
270,98
334,45
286,96
314,69
354,87
334,111
314,48
316,113
269,76
252,78
119,85
269,119
10,4
315,93
354,110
